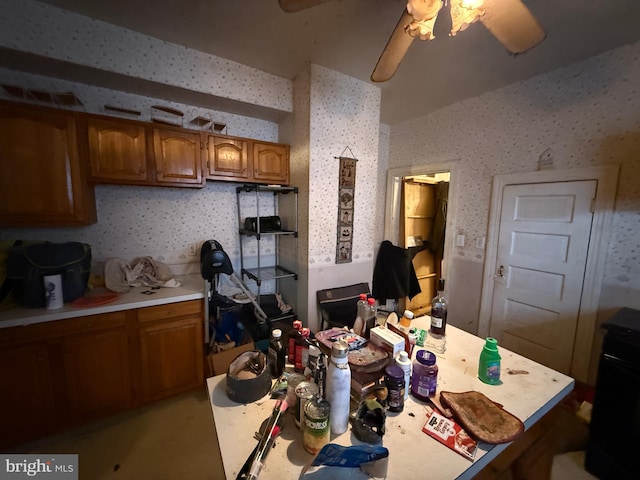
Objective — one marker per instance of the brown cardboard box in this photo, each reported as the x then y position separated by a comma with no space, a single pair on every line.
219,362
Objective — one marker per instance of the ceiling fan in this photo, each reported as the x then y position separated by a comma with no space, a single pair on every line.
510,21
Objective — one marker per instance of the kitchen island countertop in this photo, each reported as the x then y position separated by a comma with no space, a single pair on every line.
192,288
529,396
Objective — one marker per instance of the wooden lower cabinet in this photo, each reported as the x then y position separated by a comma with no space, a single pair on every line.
170,363
26,394
171,352
96,374
58,374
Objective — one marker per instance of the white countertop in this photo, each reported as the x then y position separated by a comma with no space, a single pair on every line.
192,288
411,452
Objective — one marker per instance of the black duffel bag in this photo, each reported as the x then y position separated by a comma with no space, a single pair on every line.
27,264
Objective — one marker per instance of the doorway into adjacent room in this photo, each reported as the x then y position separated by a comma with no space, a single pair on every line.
422,230
420,207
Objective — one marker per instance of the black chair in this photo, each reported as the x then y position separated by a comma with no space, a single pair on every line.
338,306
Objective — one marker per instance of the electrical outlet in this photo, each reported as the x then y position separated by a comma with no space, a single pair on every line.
480,242
193,249
460,240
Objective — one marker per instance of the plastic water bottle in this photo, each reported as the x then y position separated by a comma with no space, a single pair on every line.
339,387
361,306
404,362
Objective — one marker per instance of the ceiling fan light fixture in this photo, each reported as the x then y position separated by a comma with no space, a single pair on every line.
424,13
464,13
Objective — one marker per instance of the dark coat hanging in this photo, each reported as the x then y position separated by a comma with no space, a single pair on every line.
393,274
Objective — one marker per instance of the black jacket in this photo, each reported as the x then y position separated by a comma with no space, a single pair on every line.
393,274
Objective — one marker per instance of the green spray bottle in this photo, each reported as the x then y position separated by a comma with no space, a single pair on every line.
489,367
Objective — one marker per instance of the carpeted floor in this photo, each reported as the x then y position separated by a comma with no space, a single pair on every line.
172,439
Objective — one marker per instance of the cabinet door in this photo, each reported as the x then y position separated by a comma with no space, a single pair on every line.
171,341
270,163
117,150
96,372
178,157
42,181
227,157
26,397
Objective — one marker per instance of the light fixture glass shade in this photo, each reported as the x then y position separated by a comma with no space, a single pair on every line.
464,13
424,13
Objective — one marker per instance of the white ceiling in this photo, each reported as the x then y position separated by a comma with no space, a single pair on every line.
348,35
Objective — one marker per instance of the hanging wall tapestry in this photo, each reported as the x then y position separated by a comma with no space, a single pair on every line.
346,197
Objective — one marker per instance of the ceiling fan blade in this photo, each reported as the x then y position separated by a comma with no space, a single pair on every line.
511,22
291,6
394,51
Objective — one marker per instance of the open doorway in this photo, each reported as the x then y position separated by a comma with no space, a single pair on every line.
422,231
417,219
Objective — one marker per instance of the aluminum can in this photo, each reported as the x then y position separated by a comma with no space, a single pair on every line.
316,429
293,381
304,391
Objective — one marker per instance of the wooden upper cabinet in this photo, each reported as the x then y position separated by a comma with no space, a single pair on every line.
117,150
239,159
42,177
227,157
129,152
270,163
178,157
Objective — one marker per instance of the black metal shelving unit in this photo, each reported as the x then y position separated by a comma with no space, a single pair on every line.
273,271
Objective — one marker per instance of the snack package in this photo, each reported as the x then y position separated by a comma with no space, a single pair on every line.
448,432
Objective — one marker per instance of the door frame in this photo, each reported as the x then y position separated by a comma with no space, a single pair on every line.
393,202
607,178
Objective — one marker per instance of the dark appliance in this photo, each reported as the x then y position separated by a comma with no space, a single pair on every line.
612,451
263,224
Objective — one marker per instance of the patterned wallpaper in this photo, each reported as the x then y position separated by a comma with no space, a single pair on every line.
344,113
41,29
586,114
95,98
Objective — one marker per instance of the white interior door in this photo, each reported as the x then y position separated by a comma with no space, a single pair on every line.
542,251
